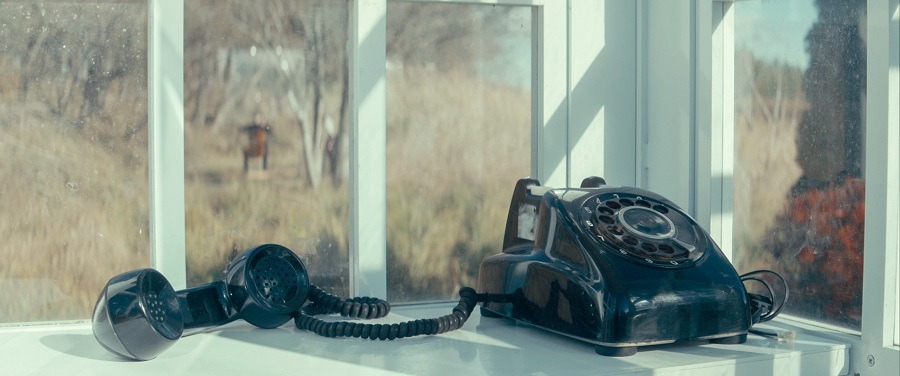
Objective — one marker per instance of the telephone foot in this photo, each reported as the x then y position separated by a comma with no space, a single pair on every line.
615,351
490,314
733,340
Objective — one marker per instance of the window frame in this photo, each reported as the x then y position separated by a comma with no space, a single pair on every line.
882,242
874,348
165,82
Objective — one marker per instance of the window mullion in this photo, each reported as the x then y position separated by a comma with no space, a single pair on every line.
602,91
707,144
714,154
166,121
882,184
550,94
667,97
368,181
724,214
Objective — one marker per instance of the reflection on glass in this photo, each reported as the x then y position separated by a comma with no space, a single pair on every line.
266,158
459,136
800,74
73,178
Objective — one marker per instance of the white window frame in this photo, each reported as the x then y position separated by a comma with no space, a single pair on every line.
165,76
874,350
877,348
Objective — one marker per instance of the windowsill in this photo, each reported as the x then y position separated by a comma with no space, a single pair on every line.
482,347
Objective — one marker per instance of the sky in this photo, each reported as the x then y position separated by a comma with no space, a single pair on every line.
775,29
771,29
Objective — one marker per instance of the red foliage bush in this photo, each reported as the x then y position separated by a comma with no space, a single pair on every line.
818,246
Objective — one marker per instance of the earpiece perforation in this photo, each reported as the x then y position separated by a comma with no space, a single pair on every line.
275,278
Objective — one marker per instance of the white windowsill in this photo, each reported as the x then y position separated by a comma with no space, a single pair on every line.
483,347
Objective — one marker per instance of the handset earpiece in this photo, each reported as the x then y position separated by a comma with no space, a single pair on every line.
139,315
266,284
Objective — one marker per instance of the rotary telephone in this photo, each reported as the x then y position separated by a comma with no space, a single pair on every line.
617,267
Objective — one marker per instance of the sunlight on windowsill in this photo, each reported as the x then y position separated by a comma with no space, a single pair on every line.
483,346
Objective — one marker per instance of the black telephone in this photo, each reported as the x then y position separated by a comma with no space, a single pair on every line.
617,267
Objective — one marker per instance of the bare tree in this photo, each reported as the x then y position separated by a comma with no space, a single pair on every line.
299,62
73,58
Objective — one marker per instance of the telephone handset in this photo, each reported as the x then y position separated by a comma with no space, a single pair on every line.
139,315
616,267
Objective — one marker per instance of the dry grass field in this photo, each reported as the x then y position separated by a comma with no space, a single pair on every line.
75,200
456,146
74,204
73,173
73,145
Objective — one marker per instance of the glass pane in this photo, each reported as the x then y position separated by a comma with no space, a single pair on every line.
800,74
458,138
266,124
73,179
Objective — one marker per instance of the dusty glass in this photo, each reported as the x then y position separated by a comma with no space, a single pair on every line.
458,138
799,187
266,125
74,191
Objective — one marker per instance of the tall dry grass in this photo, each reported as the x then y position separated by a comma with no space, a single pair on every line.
73,172
75,198
766,170
456,146
74,211
769,106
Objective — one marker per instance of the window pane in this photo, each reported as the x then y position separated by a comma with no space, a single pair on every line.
266,158
458,138
800,73
73,182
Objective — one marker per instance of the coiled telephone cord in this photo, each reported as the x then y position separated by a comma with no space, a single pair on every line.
763,308
370,308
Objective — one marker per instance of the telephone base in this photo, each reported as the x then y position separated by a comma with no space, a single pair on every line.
618,267
615,351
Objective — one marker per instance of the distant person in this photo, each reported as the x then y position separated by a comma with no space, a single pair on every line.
258,136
